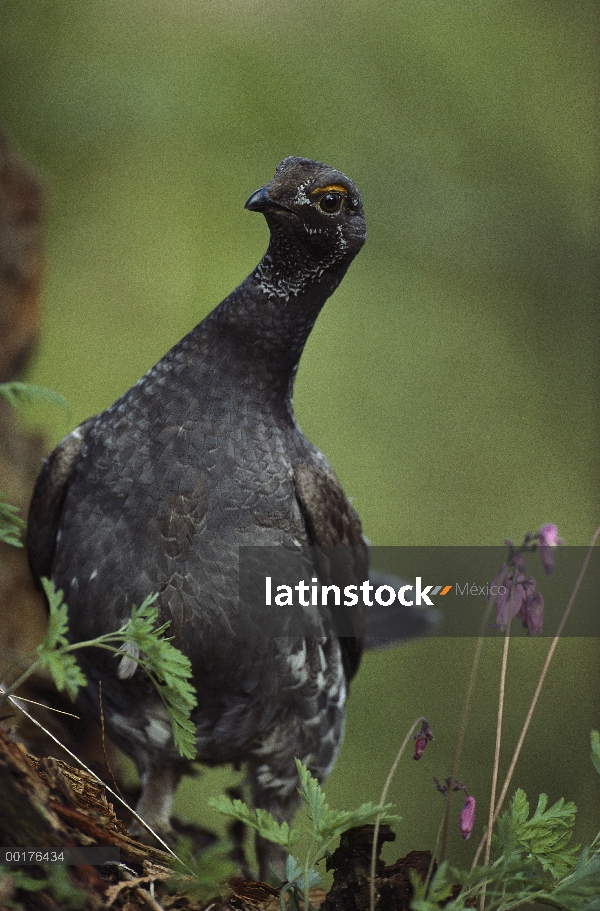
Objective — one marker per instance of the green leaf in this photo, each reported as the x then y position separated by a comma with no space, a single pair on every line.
595,739
293,869
440,888
334,822
294,873
58,626
260,820
580,891
57,882
66,673
201,877
63,889
184,735
544,838
18,393
312,794
169,669
52,651
327,823
442,884
10,524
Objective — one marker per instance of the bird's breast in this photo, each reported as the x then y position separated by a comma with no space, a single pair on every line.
171,495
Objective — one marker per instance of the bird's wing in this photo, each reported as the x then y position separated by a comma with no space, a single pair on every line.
48,498
340,548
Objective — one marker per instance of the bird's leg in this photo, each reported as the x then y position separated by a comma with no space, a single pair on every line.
273,789
159,784
271,858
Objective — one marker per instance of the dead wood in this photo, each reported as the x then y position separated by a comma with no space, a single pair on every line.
23,615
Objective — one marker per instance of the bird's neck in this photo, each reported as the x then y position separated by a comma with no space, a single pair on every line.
291,270
260,330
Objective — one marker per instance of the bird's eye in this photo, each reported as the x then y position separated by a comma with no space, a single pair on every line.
331,202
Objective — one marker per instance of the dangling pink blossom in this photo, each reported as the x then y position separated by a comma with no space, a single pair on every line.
506,607
496,582
535,614
548,538
530,588
518,594
422,738
467,817
420,744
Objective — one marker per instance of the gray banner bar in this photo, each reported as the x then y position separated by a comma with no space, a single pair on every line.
310,591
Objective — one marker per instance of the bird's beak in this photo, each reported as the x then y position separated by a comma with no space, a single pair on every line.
261,200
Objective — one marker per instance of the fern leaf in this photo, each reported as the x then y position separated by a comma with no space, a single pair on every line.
260,820
312,794
595,739
16,393
11,525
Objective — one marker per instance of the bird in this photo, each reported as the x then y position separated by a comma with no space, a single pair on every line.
201,457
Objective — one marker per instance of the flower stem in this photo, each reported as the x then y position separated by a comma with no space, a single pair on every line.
488,834
441,828
382,799
498,738
461,735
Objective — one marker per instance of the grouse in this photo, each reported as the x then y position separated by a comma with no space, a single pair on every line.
202,456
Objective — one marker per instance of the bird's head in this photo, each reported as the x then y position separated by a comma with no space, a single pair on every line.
314,206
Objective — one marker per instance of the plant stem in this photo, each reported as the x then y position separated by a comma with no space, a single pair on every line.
488,844
498,741
442,827
9,690
381,803
536,695
307,867
462,727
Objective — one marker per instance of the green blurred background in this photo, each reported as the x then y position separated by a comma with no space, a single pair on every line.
452,379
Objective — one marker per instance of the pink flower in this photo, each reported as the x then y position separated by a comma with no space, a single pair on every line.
517,594
497,581
530,588
535,614
548,535
467,817
420,744
505,608
548,538
526,601
520,597
422,738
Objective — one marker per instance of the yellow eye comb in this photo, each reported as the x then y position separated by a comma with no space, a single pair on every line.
333,188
